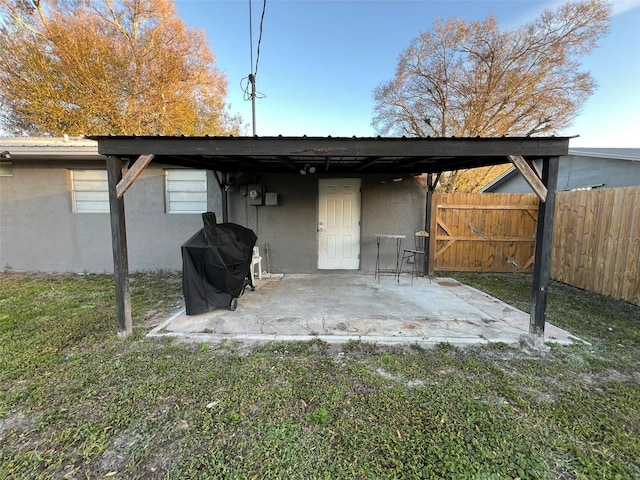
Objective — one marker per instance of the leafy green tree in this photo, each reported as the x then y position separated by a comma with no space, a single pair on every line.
107,67
472,79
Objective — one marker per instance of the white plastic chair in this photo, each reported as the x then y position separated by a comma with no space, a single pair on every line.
256,260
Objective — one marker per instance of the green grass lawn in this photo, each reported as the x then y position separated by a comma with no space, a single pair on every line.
77,403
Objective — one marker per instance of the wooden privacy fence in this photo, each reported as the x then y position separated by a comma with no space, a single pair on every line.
487,232
596,239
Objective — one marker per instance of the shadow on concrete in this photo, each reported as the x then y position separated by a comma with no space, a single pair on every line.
337,308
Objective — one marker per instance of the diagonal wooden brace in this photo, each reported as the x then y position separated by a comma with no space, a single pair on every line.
530,175
133,173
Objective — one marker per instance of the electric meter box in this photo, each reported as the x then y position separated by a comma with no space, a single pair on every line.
254,194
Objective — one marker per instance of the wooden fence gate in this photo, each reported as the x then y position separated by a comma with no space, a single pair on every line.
487,232
596,238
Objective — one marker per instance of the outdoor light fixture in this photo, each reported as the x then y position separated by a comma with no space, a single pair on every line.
307,169
230,184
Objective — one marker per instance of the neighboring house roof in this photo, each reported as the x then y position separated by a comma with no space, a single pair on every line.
48,148
628,154
632,154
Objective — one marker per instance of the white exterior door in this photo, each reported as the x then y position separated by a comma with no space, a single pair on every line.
339,224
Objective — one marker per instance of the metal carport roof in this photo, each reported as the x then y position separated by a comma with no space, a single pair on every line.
127,156
334,156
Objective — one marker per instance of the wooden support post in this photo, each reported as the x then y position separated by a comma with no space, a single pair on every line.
428,267
119,243
542,265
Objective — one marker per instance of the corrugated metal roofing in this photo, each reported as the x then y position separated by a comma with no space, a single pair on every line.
50,148
331,155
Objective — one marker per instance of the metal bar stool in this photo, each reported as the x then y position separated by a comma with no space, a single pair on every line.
421,237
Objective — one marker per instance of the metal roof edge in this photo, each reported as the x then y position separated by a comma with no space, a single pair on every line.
499,180
50,148
632,154
46,141
327,137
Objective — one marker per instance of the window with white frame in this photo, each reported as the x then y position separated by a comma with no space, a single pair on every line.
89,191
186,191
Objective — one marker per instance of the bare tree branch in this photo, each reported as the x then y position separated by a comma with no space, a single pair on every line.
472,79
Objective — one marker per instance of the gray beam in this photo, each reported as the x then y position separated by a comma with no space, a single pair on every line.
367,164
225,198
428,263
334,147
289,164
119,244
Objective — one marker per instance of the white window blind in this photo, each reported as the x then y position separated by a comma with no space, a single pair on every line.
90,191
186,191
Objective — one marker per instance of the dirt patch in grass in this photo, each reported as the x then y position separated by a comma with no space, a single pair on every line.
75,401
15,422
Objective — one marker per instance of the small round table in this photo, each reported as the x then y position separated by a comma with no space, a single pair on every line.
398,239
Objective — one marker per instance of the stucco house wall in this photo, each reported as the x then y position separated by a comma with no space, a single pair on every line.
40,232
289,231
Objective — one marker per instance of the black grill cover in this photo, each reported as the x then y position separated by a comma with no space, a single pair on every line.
216,264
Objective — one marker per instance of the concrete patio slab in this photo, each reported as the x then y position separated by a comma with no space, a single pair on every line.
337,308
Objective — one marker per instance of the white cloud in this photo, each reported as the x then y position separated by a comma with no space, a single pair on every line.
622,6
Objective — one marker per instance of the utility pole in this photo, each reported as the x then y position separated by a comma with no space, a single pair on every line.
254,70
252,80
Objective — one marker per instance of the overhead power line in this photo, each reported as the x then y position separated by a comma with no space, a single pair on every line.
250,87
264,8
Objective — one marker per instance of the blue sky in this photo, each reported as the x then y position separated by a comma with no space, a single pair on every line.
321,60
